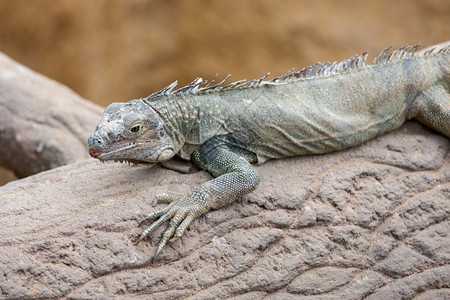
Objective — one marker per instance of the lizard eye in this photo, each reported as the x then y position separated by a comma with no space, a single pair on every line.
135,128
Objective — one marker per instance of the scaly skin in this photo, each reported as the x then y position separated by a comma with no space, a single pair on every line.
223,130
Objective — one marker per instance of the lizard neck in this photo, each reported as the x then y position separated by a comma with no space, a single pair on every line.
171,114
190,120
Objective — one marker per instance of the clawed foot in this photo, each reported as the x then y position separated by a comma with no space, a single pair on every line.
181,213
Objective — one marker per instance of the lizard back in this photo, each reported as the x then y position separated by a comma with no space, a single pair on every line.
319,109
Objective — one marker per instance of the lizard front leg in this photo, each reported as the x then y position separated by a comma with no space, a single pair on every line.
235,177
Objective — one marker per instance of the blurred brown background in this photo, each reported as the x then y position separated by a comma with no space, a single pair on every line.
115,50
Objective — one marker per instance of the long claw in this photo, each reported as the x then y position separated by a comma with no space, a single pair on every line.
180,213
155,225
138,240
176,220
157,213
158,251
184,225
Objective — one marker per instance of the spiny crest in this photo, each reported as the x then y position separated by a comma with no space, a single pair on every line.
194,86
400,53
317,70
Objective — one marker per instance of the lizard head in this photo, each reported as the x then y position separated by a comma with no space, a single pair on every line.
131,131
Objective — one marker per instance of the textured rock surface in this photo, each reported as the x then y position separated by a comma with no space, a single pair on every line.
372,221
115,50
43,124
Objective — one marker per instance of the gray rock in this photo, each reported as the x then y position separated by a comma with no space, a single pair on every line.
43,124
369,222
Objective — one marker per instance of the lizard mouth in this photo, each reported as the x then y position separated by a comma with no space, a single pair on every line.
95,153
123,154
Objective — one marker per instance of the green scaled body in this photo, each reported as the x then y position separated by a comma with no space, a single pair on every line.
224,128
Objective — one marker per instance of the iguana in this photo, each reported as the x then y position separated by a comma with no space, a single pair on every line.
224,129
